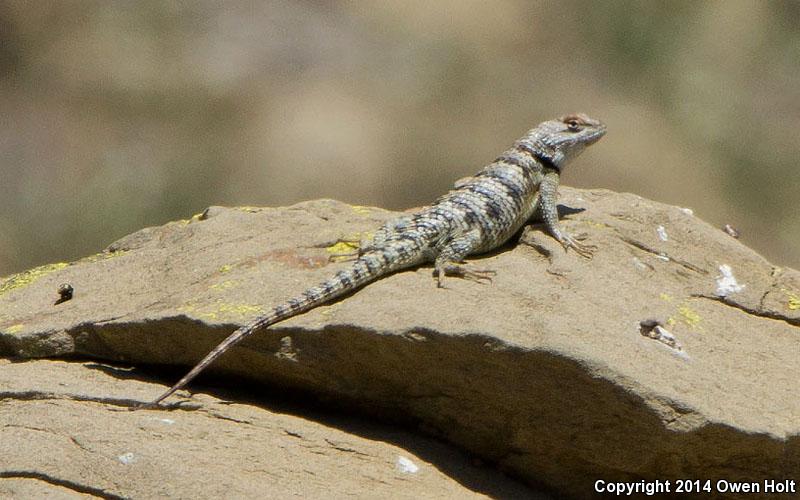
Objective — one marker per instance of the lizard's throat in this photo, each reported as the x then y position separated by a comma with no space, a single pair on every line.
547,160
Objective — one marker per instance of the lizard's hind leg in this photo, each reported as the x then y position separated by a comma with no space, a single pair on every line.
378,240
374,242
450,261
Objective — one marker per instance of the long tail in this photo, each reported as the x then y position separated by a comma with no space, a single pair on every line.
367,268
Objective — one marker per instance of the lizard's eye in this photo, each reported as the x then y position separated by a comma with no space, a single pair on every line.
573,125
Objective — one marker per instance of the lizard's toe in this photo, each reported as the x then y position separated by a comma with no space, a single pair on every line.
584,250
461,271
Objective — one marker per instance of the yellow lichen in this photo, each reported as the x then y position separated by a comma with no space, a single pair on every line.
220,310
794,300
690,316
226,268
348,245
224,285
239,309
360,209
665,297
342,247
595,224
15,328
102,256
25,278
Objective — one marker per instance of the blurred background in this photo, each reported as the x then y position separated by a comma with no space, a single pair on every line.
120,115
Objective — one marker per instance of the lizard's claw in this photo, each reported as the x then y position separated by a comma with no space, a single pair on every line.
581,249
477,275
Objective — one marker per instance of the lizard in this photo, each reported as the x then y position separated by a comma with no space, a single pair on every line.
480,214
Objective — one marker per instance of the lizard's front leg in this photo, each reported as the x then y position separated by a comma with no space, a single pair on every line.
450,260
548,192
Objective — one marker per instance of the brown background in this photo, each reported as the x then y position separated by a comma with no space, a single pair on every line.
118,115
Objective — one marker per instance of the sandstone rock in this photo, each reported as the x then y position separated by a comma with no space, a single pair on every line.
547,372
66,433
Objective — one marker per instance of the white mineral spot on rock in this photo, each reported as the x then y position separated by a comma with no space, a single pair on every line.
726,283
662,233
681,354
666,339
127,458
406,466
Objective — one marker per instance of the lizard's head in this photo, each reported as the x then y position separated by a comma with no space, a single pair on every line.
562,140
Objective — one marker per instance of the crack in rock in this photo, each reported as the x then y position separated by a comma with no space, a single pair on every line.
57,481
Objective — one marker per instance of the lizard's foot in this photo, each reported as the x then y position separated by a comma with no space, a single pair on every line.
460,271
145,406
581,249
352,250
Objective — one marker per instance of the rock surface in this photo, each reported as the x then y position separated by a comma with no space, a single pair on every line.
546,372
66,433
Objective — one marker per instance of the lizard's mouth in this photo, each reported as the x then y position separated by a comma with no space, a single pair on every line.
599,132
